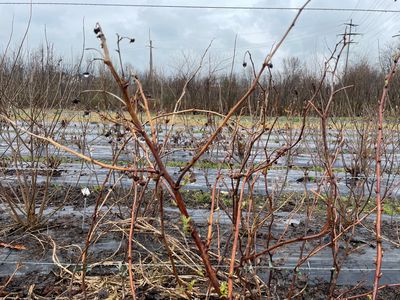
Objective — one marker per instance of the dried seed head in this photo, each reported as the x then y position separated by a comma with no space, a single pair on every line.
134,177
244,64
96,29
270,65
131,40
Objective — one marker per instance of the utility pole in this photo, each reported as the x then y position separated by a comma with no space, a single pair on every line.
151,69
151,57
347,37
348,34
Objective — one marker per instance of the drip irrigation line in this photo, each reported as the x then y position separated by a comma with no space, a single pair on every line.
119,264
80,169
203,7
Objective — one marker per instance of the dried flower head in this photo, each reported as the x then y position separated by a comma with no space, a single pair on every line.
96,29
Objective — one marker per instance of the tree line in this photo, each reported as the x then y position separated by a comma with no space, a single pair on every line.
41,77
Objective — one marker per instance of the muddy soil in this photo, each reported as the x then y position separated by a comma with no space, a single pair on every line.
52,252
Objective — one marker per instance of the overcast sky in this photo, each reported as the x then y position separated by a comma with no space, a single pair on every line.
185,33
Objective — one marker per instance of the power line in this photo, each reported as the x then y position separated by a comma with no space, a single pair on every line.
203,7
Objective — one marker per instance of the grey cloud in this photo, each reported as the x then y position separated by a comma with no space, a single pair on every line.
176,30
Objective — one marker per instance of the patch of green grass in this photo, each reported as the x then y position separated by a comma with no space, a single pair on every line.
202,164
44,159
186,224
223,289
201,197
198,198
226,200
175,164
207,164
391,209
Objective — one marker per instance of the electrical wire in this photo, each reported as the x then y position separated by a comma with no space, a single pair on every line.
202,6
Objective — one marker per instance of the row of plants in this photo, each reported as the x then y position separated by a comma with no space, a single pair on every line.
219,260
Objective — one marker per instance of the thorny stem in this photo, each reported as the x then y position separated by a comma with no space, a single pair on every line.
175,185
153,148
76,153
159,194
235,240
211,217
369,293
146,105
131,229
323,232
243,99
378,225
18,266
163,171
89,234
94,220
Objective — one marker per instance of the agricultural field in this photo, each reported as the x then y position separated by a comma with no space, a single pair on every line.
49,196
153,198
